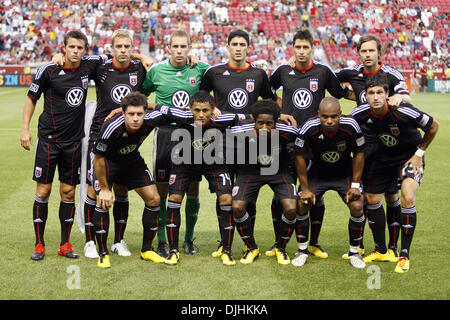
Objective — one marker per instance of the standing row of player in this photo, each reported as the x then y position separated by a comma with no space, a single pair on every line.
236,86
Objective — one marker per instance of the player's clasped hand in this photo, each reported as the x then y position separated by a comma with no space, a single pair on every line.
353,194
307,198
105,199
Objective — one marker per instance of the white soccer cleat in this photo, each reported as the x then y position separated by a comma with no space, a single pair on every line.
299,259
121,248
90,250
356,261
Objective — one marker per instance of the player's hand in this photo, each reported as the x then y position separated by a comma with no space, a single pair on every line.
216,113
151,105
59,59
415,164
395,101
291,62
105,199
192,60
113,113
147,62
353,194
288,119
307,198
26,140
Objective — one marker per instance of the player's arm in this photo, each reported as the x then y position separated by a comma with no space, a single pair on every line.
397,99
353,192
26,138
350,95
306,196
105,198
288,119
147,62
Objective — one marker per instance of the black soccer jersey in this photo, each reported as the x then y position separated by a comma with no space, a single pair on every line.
235,90
113,84
396,131
65,92
331,153
303,90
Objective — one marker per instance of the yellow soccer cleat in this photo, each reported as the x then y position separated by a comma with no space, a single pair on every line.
103,261
376,256
393,255
402,265
218,252
360,252
318,252
250,255
282,256
173,258
272,251
227,258
151,255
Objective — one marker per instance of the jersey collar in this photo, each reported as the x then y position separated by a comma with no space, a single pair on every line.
377,116
239,70
372,73
121,69
304,70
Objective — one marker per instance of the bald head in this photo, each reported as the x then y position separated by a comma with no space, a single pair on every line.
330,103
330,114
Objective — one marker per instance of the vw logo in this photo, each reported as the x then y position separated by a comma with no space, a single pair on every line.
302,98
331,156
119,92
128,149
265,159
362,96
388,140
238,98
200,144
180,99
74,97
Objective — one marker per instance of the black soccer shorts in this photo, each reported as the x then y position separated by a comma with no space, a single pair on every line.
369,155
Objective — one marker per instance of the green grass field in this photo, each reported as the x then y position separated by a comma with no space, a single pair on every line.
202,277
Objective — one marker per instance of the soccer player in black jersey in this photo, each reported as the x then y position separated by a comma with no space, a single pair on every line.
370,51
304,87
400,155
60,131
336,144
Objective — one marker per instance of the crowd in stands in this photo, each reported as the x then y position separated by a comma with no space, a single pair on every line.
415,32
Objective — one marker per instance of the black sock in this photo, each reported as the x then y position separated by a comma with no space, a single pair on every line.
66,214
377,222
120,213
101,227
150,226
277,211
302,228
356,230
287,227
173,221
244,228
393,219
316,214
251,209
227,225
408,221
219,221
89,207
40,214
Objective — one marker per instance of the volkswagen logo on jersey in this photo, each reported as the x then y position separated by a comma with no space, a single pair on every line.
388,140
128,149
200,144
302,98
331,156
180,99
119,92
265,159
238,98
74,97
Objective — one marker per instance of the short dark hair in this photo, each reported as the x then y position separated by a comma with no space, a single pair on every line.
202,96
265,106
134,99
303,34
378,79
76,34
239,33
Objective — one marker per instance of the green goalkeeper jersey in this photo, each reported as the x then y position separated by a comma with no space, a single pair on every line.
173,85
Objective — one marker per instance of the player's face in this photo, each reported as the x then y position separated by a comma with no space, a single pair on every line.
179,49
122,50
302,51
329,118
238,49
202,112
134,117
264,122
75,50
377,98
368,54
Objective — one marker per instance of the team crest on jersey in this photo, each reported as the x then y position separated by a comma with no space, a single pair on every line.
38,172
250,85
313,85
341,146
235,191
193,81
161,173
133,79
96,185
85,82
172,178
394,130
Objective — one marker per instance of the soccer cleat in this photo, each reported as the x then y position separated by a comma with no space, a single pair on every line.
393,255
90,250
282,256
163,249
121,248
376,256
272,251
218,252
103,261
402,265
356,261
318,251
299,258
360,252
66,250
38,252
173,258
250,256
244,248
227,258
188,247
151,255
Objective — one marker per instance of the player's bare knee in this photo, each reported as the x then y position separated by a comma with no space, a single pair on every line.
391,197
163,189
356,208
67,192
43,191
225,199
176,197
372,198
239,208
120,190
408,199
